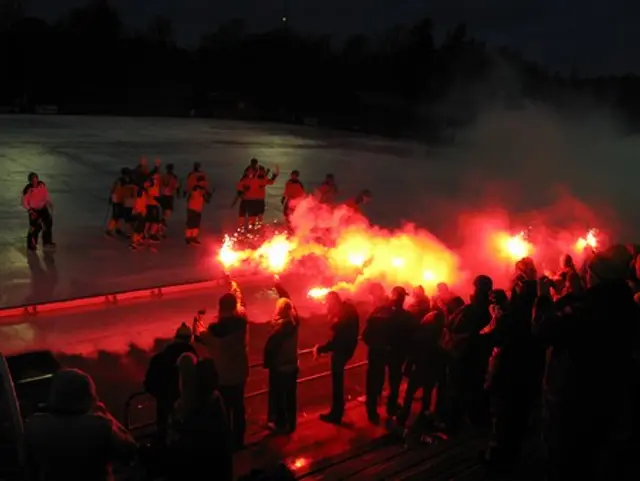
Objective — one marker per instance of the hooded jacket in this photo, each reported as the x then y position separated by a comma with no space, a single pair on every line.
227,343
77,439
281,348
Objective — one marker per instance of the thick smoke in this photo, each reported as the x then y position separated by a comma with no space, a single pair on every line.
559,169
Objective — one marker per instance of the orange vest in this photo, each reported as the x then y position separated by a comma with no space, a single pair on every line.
254,188
140,204
131,192
154,189
293,189
196,199
169,184
118,192
192,182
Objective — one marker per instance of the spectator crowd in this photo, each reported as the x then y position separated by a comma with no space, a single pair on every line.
557,353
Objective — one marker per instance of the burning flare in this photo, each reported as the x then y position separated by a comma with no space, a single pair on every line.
514,247
228,256
589,240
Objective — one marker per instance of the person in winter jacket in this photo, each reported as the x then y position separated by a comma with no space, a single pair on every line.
508,380
345,328
467,355
226,341
444,296
161,379
568,281
524,292
375,335
281,358
419,303
589,371
200,438
425,365
402,328
77,439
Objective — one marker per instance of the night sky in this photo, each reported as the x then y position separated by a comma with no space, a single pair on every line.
598,37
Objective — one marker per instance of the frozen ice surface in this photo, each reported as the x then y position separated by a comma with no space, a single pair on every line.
79,158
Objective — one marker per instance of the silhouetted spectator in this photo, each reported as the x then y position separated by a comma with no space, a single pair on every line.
200,441
161,380
444,296
345,329
425,366
589,371
375,335
77,439
281,358
227,343
467,356
508,380
419,304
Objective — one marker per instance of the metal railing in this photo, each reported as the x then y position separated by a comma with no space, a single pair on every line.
130,400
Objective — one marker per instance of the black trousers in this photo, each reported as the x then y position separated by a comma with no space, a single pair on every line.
418,381
380,363
40,220
284,389
233,397
164,408
509,422
337,385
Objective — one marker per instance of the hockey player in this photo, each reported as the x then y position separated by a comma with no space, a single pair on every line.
130,196
252,191
119,192
141,172
358,201
36,201
252,168
138,219
154,213
327,191
192,179
293,192
169,188
195,203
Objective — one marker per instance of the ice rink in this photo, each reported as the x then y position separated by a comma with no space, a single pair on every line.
517,160
79,158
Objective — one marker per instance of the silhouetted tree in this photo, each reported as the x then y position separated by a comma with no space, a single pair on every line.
160,30
87,62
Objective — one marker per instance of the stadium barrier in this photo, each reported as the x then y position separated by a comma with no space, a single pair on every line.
140,394
113,299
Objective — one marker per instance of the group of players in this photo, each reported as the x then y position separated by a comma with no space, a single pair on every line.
142,201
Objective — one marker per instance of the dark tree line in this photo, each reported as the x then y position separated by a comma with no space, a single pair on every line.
87,62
